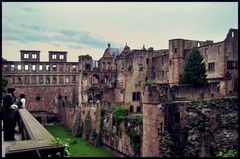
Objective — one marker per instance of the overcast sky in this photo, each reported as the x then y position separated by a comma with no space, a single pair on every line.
86,28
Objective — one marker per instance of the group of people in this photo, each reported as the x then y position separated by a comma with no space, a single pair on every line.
10,114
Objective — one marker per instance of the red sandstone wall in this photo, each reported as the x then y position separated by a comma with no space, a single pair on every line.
152,117
49,97
67,114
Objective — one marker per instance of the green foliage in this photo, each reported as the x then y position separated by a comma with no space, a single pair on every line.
135,140
120,114
65,143
150,82
194,70
4,83
139,120
94,134
227,153
74,142
170,142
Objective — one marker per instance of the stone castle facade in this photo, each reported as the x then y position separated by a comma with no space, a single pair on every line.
119,78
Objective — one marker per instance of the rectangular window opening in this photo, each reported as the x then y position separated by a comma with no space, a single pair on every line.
26,67
211,66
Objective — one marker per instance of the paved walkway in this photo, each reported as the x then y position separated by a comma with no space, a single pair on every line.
8,143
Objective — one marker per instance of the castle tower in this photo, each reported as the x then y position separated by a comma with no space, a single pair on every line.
153,123
176,60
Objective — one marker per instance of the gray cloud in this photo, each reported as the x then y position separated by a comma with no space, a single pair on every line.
28,33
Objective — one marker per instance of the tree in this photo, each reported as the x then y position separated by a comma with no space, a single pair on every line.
194,70
4,83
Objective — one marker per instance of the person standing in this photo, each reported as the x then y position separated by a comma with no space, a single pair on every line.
21,102
7,115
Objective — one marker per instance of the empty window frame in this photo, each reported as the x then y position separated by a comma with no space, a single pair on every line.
175,50
131,109
26,80
54,80
47,80
74,80
54,67
147,61
19,67
136,96
74,68
230,65
67,80
60,67
54,56
12,67
233,34
33,67
211,66
40,67
47,67
19,80
26,56
40,80
61,79
34,56
26,67
61,57
34,80
38,98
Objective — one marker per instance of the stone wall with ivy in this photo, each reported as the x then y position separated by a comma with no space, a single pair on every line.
206,128
113,127
121,131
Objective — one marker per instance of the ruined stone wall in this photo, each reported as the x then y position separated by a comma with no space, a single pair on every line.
214,53
191,129
67,116
212,127
48,97
191,93
161,71
152,127
134,77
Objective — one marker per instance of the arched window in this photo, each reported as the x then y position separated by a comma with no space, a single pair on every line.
131,109
19,80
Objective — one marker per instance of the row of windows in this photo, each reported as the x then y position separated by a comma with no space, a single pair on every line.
230,65
26,56
54,56
44,80
40,68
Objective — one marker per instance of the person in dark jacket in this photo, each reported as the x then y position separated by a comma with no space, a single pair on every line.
7,115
